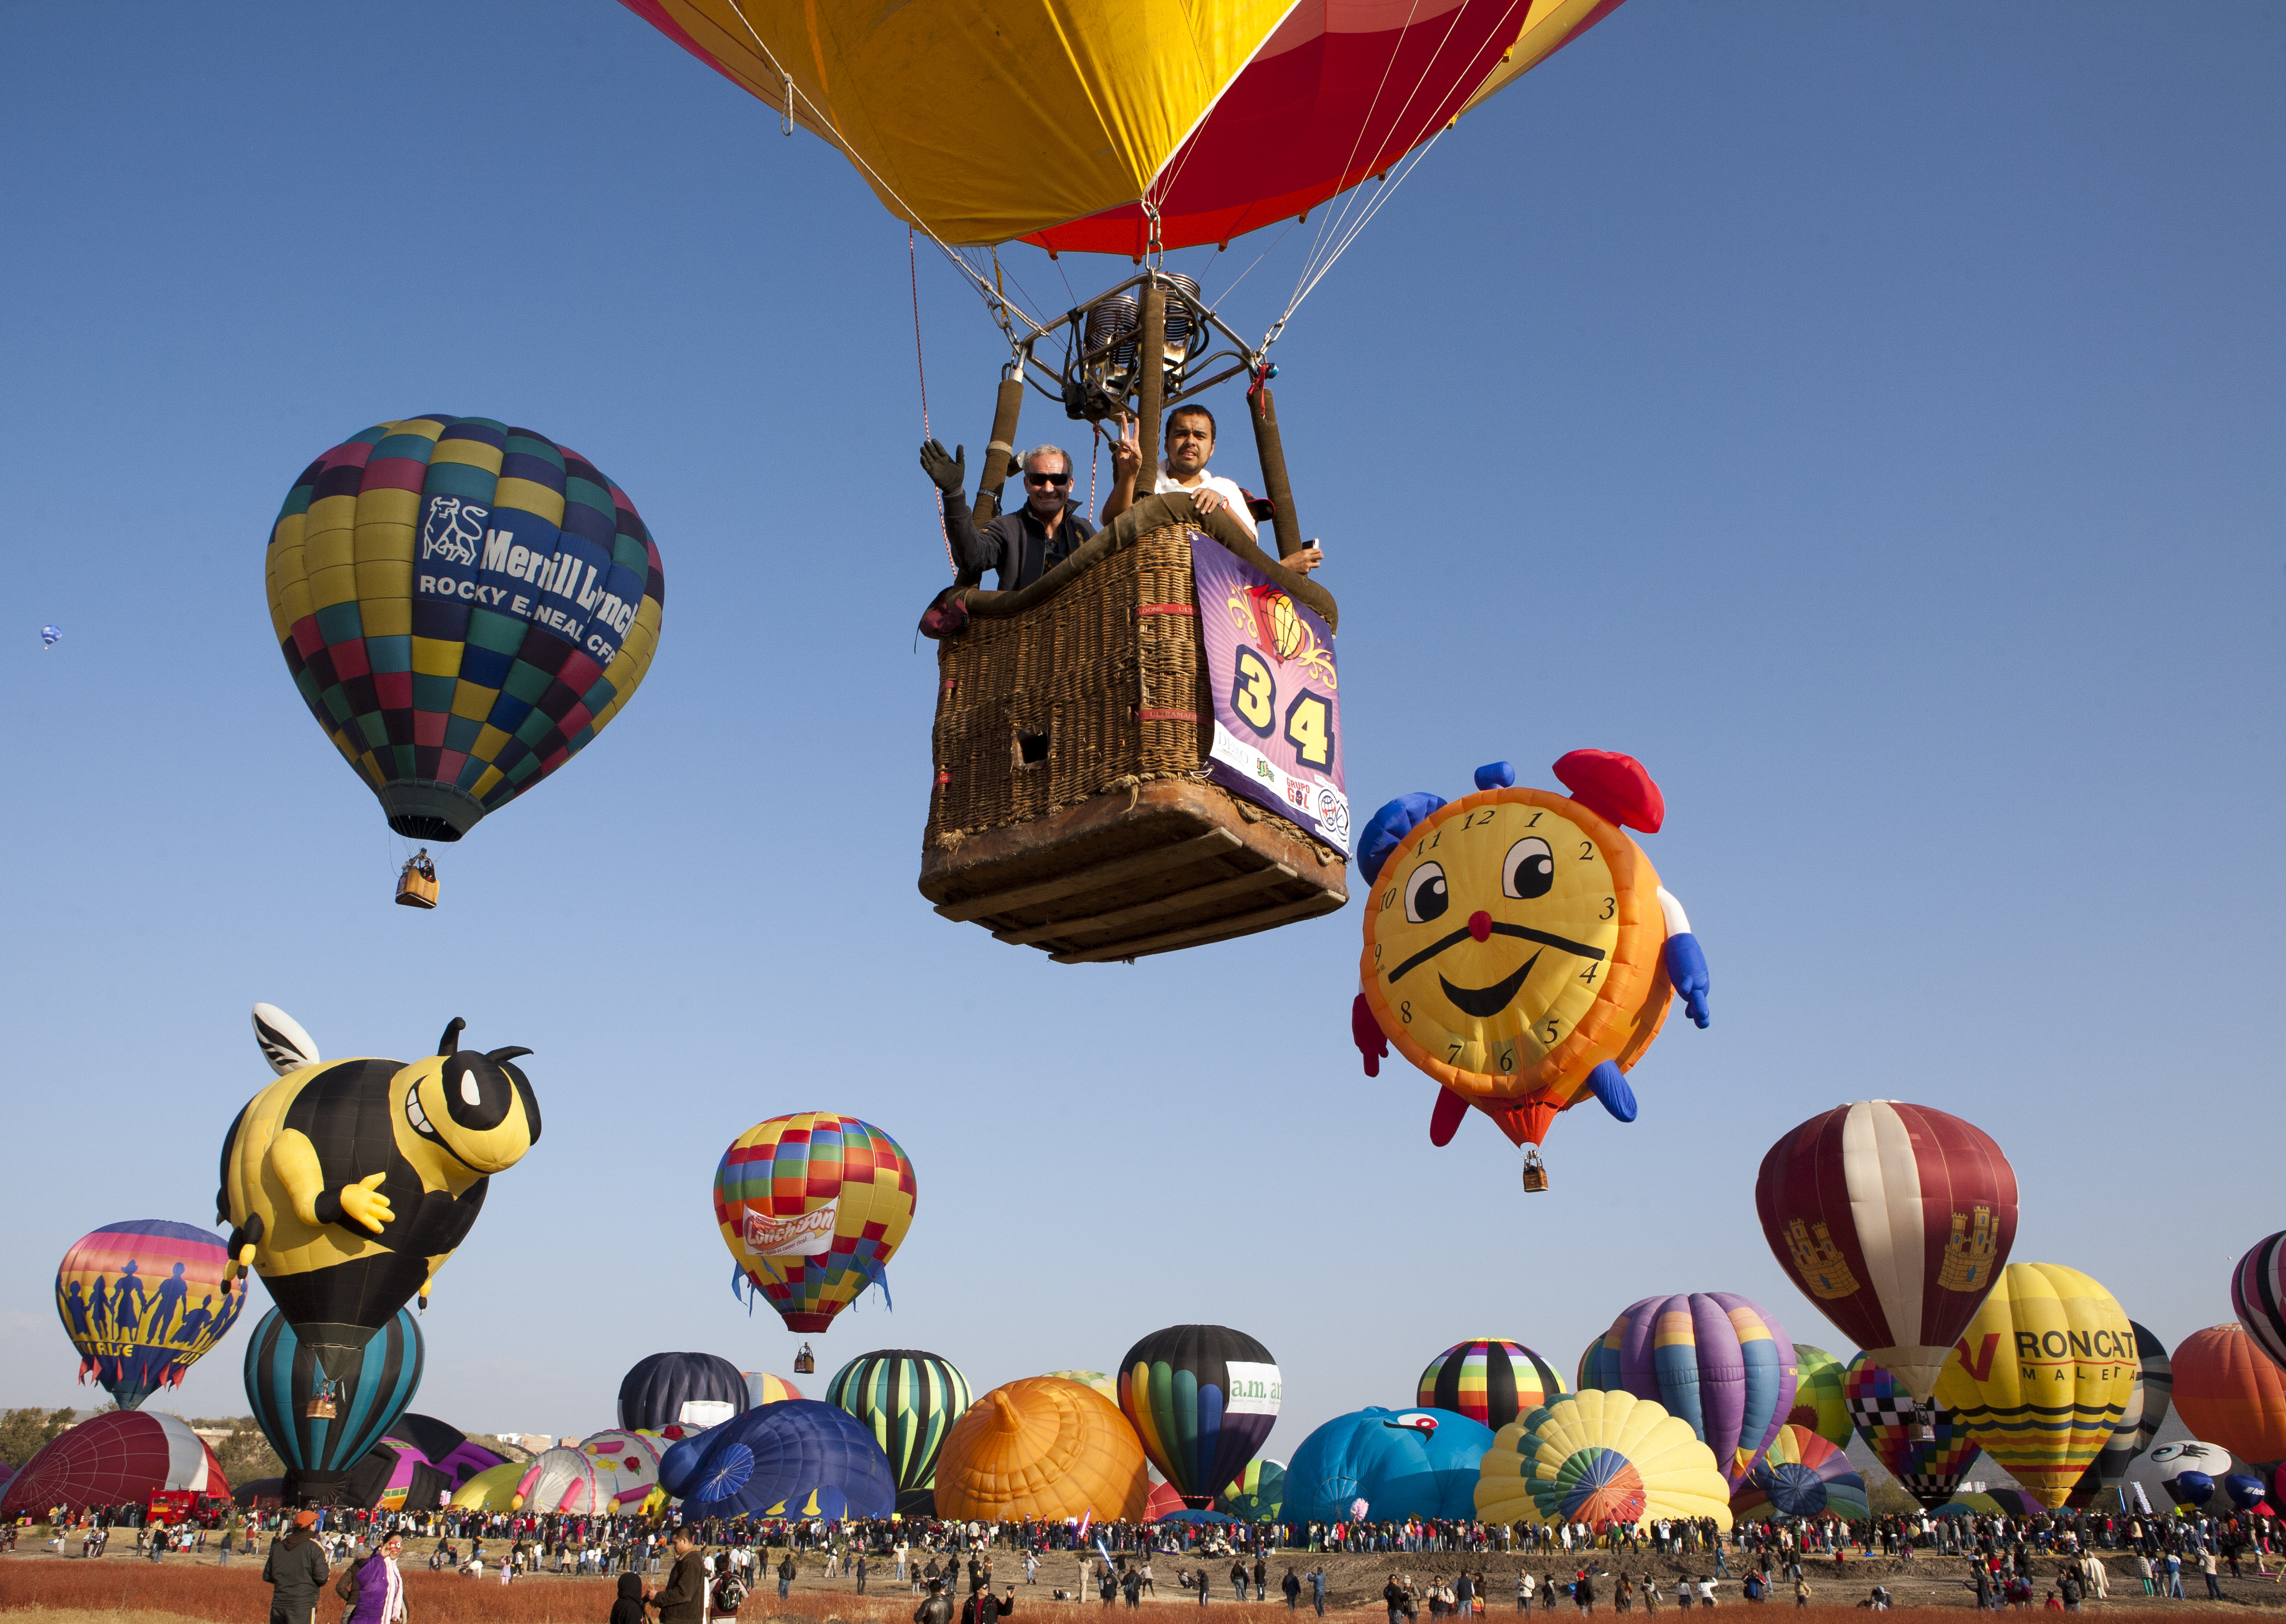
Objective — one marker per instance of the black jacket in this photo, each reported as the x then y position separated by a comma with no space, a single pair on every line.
1015,544
296,1573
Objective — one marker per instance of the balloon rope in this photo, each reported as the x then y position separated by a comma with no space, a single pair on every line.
913,265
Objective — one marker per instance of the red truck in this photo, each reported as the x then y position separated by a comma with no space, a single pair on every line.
172,1507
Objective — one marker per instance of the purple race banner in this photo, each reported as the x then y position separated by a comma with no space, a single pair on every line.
1277,702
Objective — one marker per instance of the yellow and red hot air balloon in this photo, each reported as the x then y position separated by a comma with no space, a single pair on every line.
1895,1219
812,1206
2043,1376
1119,123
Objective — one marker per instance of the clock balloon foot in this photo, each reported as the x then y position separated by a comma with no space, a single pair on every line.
1535,1176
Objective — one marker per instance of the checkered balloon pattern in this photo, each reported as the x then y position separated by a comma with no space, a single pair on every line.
1884,1414
792,1165
463,606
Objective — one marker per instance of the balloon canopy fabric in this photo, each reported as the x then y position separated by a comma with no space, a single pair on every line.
2138,1423
1218,119
282,1375
2189,1488
1257,1494
1715,1359
564,1479
1100,1380
799,1458
1885,1414
2228,1389
762,1388
1610,1460
627,1464
1895,1219
141,1300
1802,1474
2043,1376
1402,1463
490,1490
690,1389
908,1399
463,606
1819,1402
430,1457
1203,1398
812,1206
1045,1448
2190,1455
1489,1380
118,1457
2258,1295
2246,1491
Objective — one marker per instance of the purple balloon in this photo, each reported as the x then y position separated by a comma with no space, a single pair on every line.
1717,1359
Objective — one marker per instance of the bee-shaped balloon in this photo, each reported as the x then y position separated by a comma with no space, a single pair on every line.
347,1185
1519,947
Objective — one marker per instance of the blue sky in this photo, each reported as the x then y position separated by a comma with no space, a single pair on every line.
1870,420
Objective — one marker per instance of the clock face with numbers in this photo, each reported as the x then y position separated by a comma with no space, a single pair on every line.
1513,943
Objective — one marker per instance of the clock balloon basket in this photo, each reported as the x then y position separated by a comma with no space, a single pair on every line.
1072,809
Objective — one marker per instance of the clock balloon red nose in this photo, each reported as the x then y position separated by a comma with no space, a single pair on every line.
1481,926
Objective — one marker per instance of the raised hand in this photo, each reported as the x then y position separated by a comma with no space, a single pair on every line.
947,472
1127,450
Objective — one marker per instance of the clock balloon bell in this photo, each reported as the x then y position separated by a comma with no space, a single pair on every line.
1519,947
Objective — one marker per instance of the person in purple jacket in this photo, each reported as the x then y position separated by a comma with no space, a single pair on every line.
380,1591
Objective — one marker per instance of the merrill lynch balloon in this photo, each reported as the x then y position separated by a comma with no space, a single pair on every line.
1895,1219
463,606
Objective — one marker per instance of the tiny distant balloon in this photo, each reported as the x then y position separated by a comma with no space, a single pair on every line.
48,635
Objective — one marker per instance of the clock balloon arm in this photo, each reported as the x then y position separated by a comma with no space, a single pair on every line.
1365,1031
1608,1084
1686,964
1444,1121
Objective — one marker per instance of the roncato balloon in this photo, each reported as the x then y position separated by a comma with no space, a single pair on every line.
2138,1423
1895,1219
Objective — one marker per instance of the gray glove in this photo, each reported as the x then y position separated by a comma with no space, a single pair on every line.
949,473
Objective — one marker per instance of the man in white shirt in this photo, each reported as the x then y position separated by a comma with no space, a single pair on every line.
1190,440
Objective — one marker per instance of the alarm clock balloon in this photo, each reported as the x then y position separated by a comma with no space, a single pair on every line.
1519,945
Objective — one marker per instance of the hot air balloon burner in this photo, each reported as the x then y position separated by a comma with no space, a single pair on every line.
805,1362
1535,1176
321,1405
1102,373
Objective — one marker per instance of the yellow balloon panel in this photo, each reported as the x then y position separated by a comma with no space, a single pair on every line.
1606,1459
2043,1376
1044,1446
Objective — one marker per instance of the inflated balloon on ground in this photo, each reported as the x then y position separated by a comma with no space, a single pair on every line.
117,1458
1887,1418
908,1399
1606,1459
1802,1474
1096,1379
812,1207
370,1393
1715,1359
1895,1219
762,1388
2043,1376
1402,1463
1203,1398
1257,1494
689,1389
1043,1448
564,1480
141,1300
1819,1401
1489,1380
2228,1389
795,1459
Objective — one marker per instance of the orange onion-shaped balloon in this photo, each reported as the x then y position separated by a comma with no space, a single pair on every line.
1042,1447
2230,1391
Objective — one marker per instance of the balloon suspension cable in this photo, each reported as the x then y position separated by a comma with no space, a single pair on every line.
920,367
785,119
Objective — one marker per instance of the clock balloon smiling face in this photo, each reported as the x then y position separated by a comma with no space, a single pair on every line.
1518,947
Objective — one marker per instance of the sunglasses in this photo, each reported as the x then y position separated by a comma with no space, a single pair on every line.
1047,479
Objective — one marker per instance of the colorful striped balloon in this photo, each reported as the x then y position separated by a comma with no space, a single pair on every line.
1819,1402
142,1300
1713,1359
812,1206
120,1457
1203,1398
1096,1379
909,1400
1490,1379
1884,1413
763,1388
1802,1476
1255,1495
282,1377
463,606
2258,1295
1606,1459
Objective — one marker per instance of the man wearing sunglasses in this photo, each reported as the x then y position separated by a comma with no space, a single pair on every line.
1024,545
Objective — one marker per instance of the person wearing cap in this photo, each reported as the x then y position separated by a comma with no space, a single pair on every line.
1021,545
297,1572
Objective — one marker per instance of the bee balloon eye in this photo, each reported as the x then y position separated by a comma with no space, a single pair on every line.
1425,897
1528,869
470,1094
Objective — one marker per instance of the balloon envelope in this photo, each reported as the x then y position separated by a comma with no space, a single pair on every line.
1893,1220
689,1389
282,1375
2043,1376
1606,1459
1819,1402
1886,1416
564,1480
1389,1459
1257,1494
1203,1398
2139,1422
1802,1474
120,1457
2258,1295
1225,117
493,1489
463,607
1713,1359
141,1300
1042,1447
1490,1380
2228,1389
812,1207
798,1458
762,1388
908,1399
2189,1488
